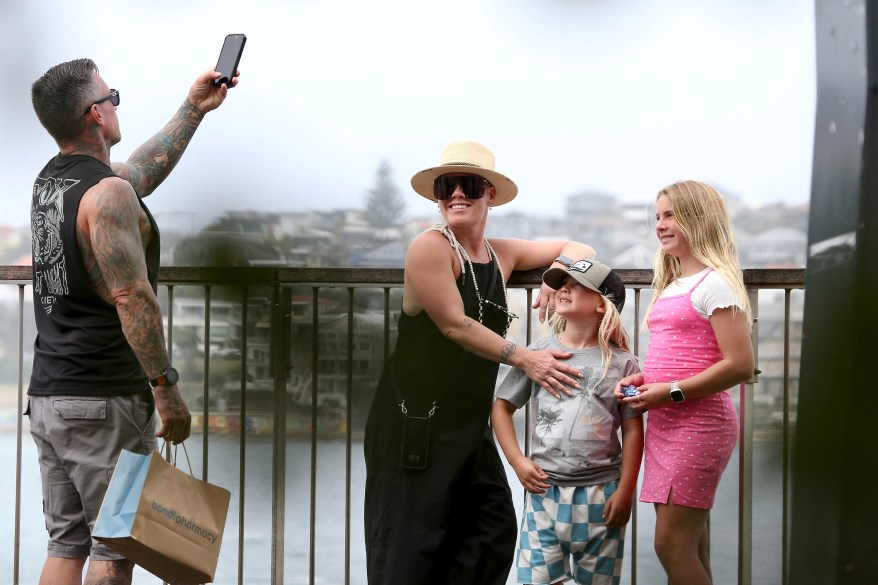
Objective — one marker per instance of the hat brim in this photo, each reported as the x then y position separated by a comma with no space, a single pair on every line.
613,285
506,189
554,277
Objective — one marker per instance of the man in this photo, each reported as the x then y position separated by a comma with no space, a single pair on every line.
100,344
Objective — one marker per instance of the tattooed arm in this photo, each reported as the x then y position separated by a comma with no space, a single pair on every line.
112,243
429,285
154,160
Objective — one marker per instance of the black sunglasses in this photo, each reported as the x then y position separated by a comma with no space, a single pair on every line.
473,186
113,97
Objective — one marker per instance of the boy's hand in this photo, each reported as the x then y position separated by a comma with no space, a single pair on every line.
534,479
617,510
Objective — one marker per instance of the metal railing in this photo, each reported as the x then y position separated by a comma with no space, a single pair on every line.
306,346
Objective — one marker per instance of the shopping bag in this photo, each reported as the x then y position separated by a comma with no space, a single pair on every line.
165,520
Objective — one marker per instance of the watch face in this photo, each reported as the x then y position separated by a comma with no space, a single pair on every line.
171,376
677,395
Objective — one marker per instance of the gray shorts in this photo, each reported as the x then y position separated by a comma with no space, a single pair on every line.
78,439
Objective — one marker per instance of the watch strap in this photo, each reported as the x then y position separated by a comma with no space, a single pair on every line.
167,378
160,380
564,260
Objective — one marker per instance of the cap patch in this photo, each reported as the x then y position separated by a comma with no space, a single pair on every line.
580,266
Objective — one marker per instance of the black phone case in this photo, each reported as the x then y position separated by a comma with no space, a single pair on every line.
230,56
415,442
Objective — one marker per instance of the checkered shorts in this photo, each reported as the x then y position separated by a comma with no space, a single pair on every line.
567,522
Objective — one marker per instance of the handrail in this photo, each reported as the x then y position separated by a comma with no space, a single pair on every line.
753,277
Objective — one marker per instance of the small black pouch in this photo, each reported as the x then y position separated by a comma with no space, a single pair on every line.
415,441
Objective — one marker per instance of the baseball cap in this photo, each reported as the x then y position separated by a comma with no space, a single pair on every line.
593,275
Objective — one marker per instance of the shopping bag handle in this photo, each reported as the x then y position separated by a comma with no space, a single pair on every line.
171,456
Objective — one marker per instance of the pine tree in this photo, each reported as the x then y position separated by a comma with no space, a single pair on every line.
384,204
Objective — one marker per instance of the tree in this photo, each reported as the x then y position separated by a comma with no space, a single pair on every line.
384,205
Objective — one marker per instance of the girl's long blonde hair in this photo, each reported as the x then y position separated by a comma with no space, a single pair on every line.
702,216
611,332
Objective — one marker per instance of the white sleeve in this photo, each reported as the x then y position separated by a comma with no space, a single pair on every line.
713,293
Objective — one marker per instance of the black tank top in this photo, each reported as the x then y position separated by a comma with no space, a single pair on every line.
80,348
430,367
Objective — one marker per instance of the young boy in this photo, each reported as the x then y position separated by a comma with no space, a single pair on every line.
579,480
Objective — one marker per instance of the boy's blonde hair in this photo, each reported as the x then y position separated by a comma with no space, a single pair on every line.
702,216
611,332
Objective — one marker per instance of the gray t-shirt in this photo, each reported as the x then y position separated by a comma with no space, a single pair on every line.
575,438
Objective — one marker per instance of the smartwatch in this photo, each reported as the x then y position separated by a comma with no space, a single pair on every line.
564,260
676,392
167,378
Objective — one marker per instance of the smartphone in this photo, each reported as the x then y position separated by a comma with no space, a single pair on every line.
229,58
415,442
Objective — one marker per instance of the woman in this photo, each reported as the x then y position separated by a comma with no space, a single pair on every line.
447,515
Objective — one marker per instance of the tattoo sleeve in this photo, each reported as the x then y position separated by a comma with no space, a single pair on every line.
154,160
506,352
118,253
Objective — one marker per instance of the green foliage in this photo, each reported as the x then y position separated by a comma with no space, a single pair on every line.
384,205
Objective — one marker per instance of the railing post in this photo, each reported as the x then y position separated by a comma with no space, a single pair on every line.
349,383
632,534
16,552
242,437
205,388
785,514
281,326
315,369
745,459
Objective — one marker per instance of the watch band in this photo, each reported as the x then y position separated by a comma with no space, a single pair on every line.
564,260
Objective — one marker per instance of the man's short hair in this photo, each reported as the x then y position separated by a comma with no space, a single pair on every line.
61,96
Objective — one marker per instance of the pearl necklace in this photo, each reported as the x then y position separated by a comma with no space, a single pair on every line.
463,255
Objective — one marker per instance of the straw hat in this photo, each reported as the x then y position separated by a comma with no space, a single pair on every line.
466,156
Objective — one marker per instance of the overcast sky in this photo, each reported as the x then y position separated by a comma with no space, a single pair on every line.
616,96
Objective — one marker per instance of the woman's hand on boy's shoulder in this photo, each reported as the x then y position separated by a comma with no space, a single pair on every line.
545,369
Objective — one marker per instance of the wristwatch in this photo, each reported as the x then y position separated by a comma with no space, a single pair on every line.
676,392
564,260
167,378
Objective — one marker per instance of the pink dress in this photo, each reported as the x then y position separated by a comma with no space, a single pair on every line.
688,444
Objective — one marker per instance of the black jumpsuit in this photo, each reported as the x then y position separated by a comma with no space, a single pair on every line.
454,522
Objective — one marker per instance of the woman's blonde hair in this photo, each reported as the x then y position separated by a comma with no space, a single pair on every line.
611,332
702,216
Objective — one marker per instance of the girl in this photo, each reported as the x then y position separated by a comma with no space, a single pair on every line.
699,322
579,480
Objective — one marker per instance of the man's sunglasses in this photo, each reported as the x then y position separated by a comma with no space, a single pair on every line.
113,97
473,186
